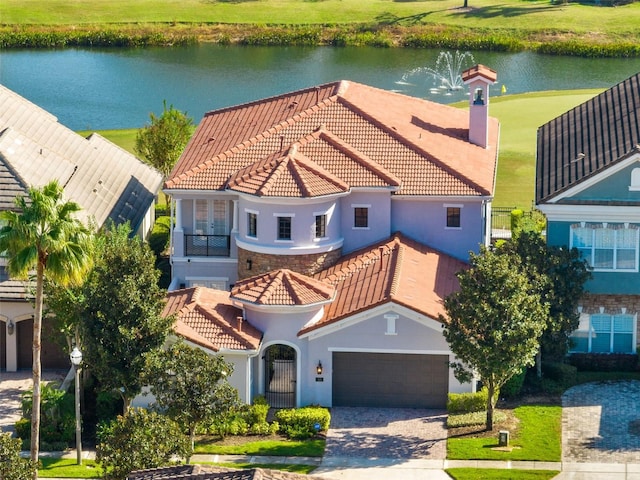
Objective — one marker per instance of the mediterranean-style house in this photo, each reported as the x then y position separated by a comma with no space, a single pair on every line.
588,186
332,220
105,180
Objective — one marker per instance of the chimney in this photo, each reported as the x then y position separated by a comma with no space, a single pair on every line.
479,78
239,319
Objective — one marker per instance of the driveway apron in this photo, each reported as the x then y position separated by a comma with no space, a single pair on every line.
601,423
394,433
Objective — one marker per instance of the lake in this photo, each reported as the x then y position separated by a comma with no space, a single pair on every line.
97,89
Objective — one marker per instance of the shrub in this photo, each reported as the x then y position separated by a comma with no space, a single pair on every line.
57,418
138,440
604,362
513,386
473,419
12,466
159,238
467,402
108,406
560,372
300,423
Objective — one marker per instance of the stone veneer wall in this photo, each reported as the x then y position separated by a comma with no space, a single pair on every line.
308,264
613,305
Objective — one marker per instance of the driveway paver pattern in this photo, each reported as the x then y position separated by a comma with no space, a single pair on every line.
601,423
393,433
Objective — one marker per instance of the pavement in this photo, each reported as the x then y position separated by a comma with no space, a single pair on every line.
600,439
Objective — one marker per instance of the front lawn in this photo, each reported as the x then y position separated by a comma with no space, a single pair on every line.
272,446
499,474
536,436
67,468
304,469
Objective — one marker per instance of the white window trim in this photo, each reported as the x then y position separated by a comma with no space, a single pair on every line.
326,226
452,205
257,214
361,205
605,225
634,332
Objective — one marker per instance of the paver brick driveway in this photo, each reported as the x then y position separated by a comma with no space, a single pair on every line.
601,422
402,433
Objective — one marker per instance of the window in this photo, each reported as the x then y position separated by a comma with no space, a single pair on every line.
361,217
321,226
453,217
607,246
284,228
603,333
252,224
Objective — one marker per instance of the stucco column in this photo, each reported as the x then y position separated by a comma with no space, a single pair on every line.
178,214
234,228
178,232
12,348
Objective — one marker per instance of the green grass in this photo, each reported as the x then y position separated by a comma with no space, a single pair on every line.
125,139
509,14
498,474
67,468
538,438
284,448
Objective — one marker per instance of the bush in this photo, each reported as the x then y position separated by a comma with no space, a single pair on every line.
138,440
108,406
301,423
513,386
604,362
473,419
12,466
159,238
560,372
468,402
57,418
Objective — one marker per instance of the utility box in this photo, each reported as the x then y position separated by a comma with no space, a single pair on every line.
503,438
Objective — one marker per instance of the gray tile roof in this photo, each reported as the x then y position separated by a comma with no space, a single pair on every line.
199,472
105,180
588,139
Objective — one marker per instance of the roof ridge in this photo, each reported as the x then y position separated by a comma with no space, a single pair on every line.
308,164
359,157
397,267
412,146
310,283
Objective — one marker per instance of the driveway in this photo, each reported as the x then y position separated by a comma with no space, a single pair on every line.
385,444
601,423
12,386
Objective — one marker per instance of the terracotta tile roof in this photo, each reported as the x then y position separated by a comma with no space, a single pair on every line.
479,71
587,139
207,317
371,137
202,472
282,287
398,270
291,175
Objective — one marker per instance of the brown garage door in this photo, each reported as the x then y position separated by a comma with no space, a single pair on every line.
390,380
52,354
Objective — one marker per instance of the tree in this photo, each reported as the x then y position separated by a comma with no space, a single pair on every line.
190,386
559,274
138,440
12,466
161,142
42,234
493,322
122,318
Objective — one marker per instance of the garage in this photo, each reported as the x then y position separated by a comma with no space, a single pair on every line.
390,380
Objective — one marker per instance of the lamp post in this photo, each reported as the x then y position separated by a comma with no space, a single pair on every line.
76,360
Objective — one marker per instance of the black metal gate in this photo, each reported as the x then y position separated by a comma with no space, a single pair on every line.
280,376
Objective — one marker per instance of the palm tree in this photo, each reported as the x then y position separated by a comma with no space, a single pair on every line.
44,235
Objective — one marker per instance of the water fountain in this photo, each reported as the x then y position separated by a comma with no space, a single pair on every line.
446,74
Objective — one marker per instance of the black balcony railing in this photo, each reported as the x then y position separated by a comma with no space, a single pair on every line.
207,245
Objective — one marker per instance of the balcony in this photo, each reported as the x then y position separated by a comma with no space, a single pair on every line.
207,245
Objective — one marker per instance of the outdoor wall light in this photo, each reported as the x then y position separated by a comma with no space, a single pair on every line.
10,327
319,368
249,264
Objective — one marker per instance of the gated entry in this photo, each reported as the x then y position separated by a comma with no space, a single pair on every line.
280,376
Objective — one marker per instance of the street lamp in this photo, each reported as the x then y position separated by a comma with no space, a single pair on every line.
76,360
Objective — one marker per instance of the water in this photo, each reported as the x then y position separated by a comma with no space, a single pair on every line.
97,89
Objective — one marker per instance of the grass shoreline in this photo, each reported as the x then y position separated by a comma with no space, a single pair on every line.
380,35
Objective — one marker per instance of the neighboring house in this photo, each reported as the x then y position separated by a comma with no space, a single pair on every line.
337,216
588,186
204,472
105,180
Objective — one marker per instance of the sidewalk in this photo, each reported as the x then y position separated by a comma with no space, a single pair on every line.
347,468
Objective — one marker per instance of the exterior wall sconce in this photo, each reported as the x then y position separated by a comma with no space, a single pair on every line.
249,264
319,368
10,327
